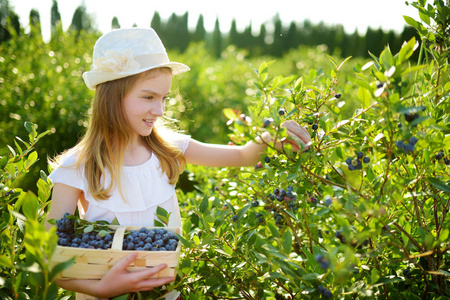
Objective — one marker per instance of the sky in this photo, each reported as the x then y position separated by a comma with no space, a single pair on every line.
352,14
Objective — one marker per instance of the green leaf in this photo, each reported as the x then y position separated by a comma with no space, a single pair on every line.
439,184
30,127
406,51
310,276
387,59
204,205
273,230
157,223
184,241
243,211
162,216
229,113
89,228
5,261
61,267
3,161
412,22
12,150
364,96
286,242
30,206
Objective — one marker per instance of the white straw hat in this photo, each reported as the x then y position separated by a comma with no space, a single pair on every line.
124,52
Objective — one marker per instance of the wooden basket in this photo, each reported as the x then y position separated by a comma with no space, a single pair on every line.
94,263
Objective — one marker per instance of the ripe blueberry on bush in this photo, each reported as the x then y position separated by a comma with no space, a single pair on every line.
235,218
447,161
267,159
366,160
327,293
258,165
337,96
439,155
411,117
323,261
255,203
281,112
315,126
267,122
400,145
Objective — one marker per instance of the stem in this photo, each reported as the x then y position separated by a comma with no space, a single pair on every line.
409,236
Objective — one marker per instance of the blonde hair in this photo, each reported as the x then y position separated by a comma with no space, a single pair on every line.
108,134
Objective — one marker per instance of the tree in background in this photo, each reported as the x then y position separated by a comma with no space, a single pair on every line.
200,32
233,35
81,20
7,16
217,40
35,23
156,22
115,23
55,16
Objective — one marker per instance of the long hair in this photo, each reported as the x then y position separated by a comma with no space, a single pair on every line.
108,135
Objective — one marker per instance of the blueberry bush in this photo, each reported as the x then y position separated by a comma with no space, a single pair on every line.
362,213
26,246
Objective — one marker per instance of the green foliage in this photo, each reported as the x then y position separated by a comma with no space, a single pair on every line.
26,246
377,232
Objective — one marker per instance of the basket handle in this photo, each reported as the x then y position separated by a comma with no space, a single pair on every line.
118,238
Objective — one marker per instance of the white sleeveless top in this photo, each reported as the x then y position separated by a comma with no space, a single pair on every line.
144,186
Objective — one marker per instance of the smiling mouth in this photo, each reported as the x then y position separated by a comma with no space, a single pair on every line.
149,122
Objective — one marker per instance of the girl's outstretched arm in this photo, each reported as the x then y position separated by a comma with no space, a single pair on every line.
213,155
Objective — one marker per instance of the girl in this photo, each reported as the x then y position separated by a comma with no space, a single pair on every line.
128,162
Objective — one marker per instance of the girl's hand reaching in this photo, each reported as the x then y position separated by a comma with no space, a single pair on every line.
118,281
297,136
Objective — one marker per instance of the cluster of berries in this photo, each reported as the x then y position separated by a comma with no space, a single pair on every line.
325,292
9,193
156,239
408,148
441,155
286,195
324,263
312,199
259,218
356,164
65,229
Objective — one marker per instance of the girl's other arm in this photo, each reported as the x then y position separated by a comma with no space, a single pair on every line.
64,199
212,155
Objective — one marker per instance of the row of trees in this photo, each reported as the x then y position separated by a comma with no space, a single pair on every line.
176,34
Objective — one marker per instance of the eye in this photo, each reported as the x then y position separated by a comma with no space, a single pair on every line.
148,97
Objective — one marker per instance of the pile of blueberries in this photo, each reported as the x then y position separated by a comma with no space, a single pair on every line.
65,229
356,164
156,239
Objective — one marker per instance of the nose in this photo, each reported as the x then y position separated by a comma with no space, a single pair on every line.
157,108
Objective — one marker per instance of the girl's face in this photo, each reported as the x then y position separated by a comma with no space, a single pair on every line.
145,102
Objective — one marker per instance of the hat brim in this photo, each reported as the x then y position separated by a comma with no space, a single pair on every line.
93,78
